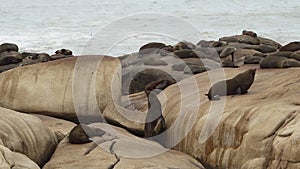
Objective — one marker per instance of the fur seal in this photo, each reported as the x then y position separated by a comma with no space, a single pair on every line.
293,46
204,43
253,59
44,57
9,60
195,69
228,63
64,52
188,53
278,62
154,116
151,47
249,33
218,44
226,52
184,45
29,55
8,47
295,56
81,134
238,84
166,50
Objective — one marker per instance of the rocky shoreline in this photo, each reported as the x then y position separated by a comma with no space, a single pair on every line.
43,97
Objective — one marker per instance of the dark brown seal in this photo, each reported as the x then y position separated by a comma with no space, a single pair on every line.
249,33
184,45
82,133
154,116
151,47
64,52
293,46
8,47
237,85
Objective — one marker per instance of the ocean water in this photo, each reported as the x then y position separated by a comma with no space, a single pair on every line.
48,25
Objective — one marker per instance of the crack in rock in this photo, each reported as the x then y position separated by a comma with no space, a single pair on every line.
100,140
111,149
282,124
269,151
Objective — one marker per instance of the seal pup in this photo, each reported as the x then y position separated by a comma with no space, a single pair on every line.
154,116
237,85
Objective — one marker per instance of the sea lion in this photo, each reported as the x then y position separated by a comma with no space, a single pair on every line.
8,47
142,79
282,54
151,47
204,43
166,50
226,52
195,69
154,117
295,56
29,55
218,44
241,39
249,33
273,61
9,60
188,53
44,57
82,133
64,52
293,46
238,84
10,57
253,59
184,45
228,63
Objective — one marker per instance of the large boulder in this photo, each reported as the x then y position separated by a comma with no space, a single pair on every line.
67,88
14,160
257,130
118,149
27,135
59,127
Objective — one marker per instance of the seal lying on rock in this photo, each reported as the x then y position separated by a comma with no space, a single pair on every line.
8,47
64,52
293,46
154,115
184,45
249,33
274,61
238,84
151,47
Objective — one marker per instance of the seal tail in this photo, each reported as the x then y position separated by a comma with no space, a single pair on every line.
212,98
208,95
